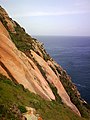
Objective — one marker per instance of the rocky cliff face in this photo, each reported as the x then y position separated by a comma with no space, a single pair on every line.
24,60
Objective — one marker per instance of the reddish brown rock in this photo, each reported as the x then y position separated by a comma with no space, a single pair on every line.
22,69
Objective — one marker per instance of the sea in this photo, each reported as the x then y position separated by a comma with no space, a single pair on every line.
73,54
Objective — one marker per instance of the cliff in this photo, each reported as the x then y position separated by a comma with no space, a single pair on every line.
24,60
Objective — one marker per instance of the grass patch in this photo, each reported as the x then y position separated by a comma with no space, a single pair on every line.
16,95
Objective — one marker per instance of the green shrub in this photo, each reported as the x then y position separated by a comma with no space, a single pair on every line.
22,109
48,110
3,110
53,69
54,90
68,85
40,68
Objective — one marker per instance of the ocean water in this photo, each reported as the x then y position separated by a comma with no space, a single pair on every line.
73,54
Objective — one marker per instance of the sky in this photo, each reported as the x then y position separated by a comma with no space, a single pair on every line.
51,17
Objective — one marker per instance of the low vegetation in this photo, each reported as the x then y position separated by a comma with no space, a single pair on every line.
21,39
15,96
25,42
75,98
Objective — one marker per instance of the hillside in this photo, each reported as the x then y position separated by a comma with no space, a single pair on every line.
24,60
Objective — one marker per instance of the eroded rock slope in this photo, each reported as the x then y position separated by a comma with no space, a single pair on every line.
24,60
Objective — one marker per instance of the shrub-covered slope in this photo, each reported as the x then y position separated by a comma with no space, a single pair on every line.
30,65
14,96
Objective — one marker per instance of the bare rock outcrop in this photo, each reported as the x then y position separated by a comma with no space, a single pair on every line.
26,70
10,23
31,114
17,66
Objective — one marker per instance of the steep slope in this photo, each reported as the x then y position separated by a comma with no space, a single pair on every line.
24,60
22,69
19,67
14,98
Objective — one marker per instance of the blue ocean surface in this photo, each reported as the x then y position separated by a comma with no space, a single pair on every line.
73,54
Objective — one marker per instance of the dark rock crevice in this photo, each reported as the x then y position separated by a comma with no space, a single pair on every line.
8,72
